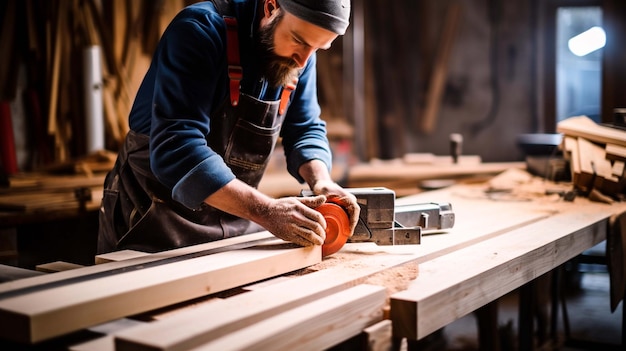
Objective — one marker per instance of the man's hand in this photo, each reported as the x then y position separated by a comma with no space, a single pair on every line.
290,218
294,219
336,194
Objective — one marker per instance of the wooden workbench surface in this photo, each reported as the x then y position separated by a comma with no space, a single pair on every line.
507,232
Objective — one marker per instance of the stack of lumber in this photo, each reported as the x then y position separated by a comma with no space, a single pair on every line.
406,175
40,196
219,295
596,154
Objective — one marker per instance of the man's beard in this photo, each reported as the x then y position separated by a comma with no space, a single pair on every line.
277,70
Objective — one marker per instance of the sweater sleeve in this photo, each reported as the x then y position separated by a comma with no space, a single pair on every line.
304,132
188,69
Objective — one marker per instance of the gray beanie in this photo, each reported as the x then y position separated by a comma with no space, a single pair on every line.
333,15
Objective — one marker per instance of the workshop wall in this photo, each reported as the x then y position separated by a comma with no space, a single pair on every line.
465,66
472,67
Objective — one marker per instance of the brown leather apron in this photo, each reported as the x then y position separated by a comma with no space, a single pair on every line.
139,213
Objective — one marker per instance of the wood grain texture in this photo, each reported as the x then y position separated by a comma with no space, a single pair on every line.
456,284
50,278
391,173
314,326
40,315
184,330
191,328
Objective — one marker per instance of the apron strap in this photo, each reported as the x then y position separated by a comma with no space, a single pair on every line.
235,72
284,96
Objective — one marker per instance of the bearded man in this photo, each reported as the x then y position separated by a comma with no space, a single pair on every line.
228,78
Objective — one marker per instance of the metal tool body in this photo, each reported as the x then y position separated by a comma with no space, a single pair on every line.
384,223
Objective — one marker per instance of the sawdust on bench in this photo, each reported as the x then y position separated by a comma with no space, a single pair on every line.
394,279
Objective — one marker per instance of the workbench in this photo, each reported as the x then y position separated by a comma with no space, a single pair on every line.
508,232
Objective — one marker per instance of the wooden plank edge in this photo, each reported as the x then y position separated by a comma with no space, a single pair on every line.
38,316
34,281
411,309
182,330
314,326
117,256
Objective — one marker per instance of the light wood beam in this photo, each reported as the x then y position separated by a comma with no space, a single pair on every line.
35,316
314,326
454,285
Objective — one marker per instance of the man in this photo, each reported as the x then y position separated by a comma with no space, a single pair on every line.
227,79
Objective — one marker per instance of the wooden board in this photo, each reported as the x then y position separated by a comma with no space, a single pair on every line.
456,284
382,173
182,330
52,278
615,152
570,145
121,255
57,266
477,220
314,326
585,127
40,315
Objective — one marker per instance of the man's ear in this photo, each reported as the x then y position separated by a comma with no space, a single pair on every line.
269,7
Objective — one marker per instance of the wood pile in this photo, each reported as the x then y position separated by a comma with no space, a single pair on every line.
48,38
597,156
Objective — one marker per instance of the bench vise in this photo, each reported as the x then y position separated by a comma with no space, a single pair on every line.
383,222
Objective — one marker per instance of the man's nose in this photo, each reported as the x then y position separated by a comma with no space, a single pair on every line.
302,55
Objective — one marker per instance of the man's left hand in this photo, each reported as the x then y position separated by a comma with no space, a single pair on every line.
336,194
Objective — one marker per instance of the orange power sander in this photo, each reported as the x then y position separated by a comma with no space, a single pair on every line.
381,221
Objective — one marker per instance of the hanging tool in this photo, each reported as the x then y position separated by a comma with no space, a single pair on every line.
381,221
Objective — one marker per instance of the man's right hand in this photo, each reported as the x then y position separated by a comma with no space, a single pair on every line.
294,219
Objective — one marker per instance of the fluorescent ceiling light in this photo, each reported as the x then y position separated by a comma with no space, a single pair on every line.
588,41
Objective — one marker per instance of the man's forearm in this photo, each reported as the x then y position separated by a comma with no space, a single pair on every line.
241,200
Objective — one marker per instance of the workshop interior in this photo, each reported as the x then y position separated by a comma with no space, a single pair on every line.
484,140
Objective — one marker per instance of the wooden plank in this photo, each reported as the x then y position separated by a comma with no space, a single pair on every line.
57,266
615,152
378,173
52,278
121,255
182,330
40,315
585,127
10,273
104,343
379,336
570,145
454,285
477,220
314,326
596,169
